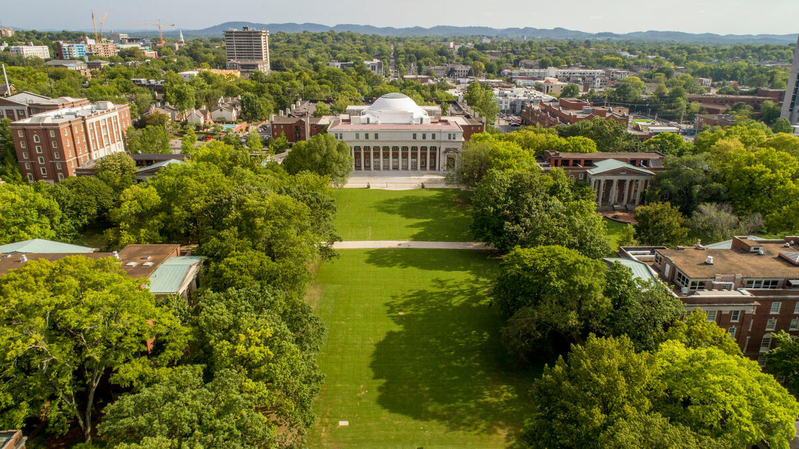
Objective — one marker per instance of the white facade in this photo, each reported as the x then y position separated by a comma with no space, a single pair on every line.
26,51
396,134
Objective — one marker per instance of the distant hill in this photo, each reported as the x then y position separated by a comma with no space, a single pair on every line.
529,33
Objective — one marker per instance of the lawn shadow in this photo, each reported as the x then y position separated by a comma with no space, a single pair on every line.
446,364
430,260
445,215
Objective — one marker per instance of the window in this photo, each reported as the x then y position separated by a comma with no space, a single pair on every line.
732,330
765,343
24,155
794,325
697,285
775,307
434,136
30,177
771,324
60,177
735,316
424,136
761,361
19,133
681,279
41,160
56,155
658,259
366,136
22,144
58,165
581,176
43,170
414,136
52,133
357,136
796,309
38,149
36,138
55,144
375,136
711,315
761,283
27,165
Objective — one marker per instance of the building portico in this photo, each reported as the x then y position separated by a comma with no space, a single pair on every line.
617,183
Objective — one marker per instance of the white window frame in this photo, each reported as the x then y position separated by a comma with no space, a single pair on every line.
22,144
732,330
681,279
711,313
794,325
762,361
775,310
38,149
735,316
41,160
55,144
36,138
765,343
43,171
771,324
52,133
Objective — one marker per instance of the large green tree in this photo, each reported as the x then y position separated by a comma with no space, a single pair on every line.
323,155
152,139
481,99
27,214
660,224
69,325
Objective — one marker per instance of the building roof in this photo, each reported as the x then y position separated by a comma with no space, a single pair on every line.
440,126
607,165
68,114
27,98
691,261
66,63
44,247
640,269
395,108
170,276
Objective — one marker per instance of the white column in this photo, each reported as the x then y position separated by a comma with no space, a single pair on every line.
626,191
601,191
427,155
381,158
391,157
363,161
613,191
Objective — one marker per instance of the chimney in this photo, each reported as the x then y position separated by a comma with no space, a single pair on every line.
115,254
709,260
23,259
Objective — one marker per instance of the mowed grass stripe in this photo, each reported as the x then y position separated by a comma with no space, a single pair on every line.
412,353
422,215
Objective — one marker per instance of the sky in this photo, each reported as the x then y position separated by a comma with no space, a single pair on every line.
617,16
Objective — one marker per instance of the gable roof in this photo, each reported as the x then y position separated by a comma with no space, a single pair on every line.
640,269
614,164
170,276
43,247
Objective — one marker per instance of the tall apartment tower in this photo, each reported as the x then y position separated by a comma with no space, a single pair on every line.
790,106
247,50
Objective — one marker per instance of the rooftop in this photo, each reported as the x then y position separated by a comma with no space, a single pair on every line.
734,261
607,165
68,114
44,247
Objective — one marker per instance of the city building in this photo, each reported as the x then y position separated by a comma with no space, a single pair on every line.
790,106
296,129
30,50
394,133
619,180
97,64
51,145
12,439
226,110
747,285
710,120
6,32
340,64
170,272
247,50
71,64
102,49
26,104
375,65
65,50
567,111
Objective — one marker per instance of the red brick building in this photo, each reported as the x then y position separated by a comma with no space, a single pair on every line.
294,128
26,104
50,146
748,286
567,111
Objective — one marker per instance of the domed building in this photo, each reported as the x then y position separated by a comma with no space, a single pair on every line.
396,134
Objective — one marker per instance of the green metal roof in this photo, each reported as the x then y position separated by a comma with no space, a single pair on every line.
640,270
614,164
42,246
170,274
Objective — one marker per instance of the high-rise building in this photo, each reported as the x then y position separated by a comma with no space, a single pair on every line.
790,106
27,51
247,50
70,51
51,145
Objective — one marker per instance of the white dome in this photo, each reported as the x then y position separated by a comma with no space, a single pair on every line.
394,108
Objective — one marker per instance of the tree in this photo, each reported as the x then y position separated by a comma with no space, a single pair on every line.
668,144
783,361
66,326
9,166
278,144
653,431
181,95
578,144
181,410
26,214
84,200
252,108
714,222
770,112
482,100
528,209
254,142
570,91
597,386
639,309
188,142
321,109
723,396
782,125
149,140
549,291
136,218
117,170
687,182
479,156
697,332
323,155
609,135
660,224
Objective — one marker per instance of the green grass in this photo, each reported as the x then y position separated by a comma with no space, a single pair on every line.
423,215
412,353
614,232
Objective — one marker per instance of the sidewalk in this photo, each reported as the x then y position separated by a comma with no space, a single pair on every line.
371,244
395,180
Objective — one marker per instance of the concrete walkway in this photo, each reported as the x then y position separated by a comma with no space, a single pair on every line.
370,244
396,180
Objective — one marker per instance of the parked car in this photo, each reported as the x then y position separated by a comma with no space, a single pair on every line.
205,138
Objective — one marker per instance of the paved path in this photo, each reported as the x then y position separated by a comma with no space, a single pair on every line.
369,244
396,180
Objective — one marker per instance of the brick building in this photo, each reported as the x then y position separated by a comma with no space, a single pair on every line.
747,285
296,129
567,111
26,104
50,146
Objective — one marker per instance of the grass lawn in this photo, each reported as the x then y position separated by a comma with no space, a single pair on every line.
614,232
412,352
423,214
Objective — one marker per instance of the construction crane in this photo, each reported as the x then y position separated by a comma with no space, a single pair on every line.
94,24
102,34
159,25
